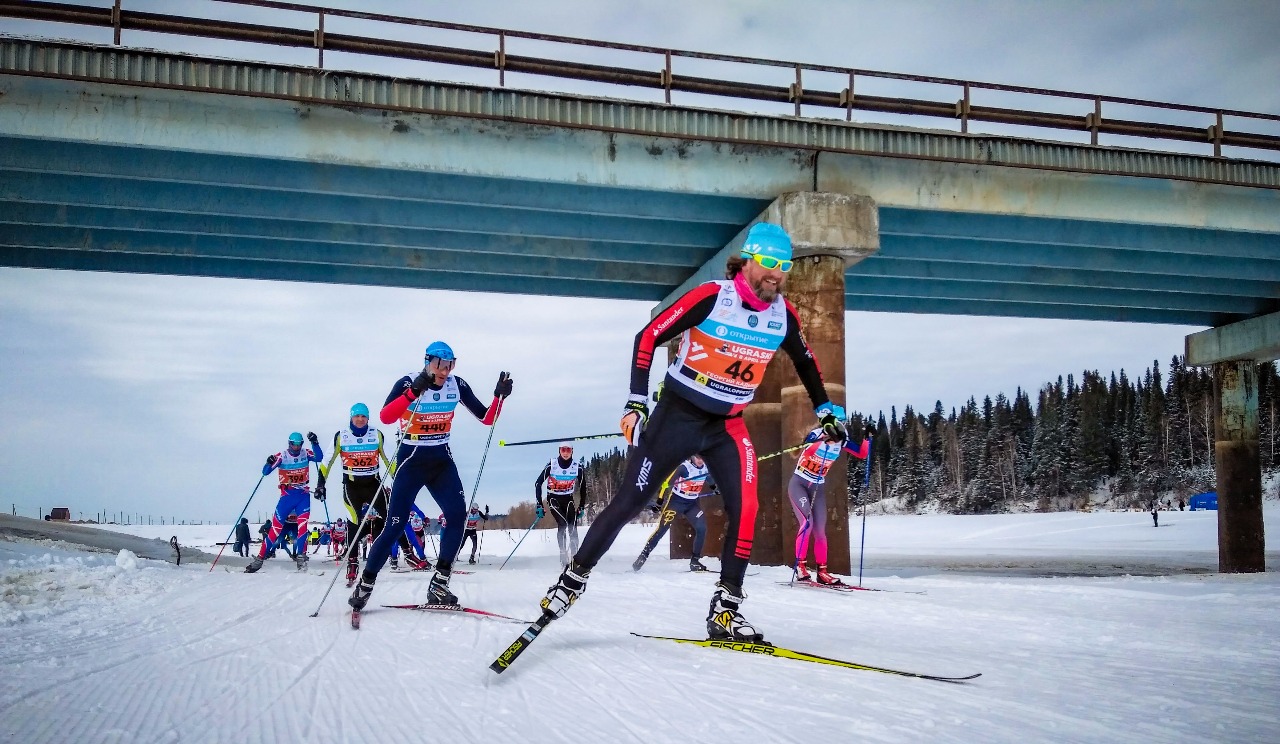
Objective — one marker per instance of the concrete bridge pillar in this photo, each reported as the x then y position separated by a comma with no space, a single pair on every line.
829,233
1241,544
1233,352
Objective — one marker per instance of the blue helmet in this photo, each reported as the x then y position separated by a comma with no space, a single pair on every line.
767,239
295,438
438,350
359,409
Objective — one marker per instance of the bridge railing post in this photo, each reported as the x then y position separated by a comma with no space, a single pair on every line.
318,40
115,22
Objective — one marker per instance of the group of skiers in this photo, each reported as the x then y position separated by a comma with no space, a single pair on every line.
728,329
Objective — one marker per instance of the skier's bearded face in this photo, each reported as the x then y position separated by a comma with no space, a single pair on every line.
766,283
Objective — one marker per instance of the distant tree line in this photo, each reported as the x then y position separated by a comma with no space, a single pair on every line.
1112,442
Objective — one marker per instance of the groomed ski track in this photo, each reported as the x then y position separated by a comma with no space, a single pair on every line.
100,647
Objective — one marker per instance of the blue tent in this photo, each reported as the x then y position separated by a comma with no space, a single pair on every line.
1205,501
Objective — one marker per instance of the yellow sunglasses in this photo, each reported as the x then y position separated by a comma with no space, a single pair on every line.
769,262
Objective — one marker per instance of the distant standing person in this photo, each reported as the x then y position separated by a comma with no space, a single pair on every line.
242,537
294,465
1155,514
562,476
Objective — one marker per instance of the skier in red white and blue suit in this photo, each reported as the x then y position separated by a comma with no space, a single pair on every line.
729,330
294,466
424,407
809,498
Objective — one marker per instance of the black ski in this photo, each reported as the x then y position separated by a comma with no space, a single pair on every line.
429,607
768,649
506,658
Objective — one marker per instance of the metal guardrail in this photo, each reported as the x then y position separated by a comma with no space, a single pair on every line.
664,78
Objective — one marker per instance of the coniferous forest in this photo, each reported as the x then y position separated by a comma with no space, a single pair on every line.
1091,442
1080,443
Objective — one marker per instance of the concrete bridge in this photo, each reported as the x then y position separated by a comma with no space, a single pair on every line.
117,159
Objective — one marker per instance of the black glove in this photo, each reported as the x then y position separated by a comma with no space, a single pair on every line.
870,431
833,427
486,510
311,437
503,388
271,460
421,382
321,492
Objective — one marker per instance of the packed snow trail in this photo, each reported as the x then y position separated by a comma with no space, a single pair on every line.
100,647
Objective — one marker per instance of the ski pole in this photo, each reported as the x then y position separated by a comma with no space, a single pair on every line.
772,455
237,522
351,545
866,479
502,443
476,488
517,547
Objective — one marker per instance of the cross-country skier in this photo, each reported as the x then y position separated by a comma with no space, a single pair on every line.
474,516
294,465
361,449
809,498
729,331
689,483
338,535
424,406
562,476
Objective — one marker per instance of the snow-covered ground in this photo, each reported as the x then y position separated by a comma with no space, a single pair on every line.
101,647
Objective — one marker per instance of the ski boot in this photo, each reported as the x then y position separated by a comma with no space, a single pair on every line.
472,559
300,560
724,622
826,578
360,596
696,566
802,572
395,563
638,563
417,564
571,584
352,568
253,566
438,590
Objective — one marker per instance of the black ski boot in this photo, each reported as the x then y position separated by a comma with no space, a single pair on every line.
638,563
300,560
696,566
724,622
571,584
253,566
438,590
472,559
360,597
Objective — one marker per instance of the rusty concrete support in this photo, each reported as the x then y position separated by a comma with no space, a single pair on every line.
1241,543
816,289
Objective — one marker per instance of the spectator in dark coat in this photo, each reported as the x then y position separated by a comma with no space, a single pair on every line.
242,537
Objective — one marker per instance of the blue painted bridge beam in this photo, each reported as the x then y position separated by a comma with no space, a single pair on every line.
936,306
1034,231
504,269
1049,276
189,198
300,177
62,215
951,289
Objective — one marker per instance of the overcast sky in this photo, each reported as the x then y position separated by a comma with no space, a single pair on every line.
163,395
